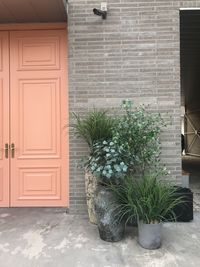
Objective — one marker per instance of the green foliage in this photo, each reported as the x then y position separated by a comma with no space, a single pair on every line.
95,127
132,147
147,199
106,161
138,132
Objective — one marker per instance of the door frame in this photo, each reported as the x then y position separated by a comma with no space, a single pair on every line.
47,26
32,26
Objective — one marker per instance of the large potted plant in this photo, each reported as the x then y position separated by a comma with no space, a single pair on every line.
150,201
132,148
107,164
92,128
125,144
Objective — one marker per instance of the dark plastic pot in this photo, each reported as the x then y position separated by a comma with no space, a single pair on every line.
184,211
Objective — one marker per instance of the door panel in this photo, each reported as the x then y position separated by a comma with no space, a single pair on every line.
39,183
39,168
4,118
38,130
39,53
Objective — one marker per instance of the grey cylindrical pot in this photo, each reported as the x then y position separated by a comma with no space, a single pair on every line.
149,235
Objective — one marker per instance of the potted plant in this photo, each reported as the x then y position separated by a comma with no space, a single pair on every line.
106,162
132,148
94,127
150,201
120,145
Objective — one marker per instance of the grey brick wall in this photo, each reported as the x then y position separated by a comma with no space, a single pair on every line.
133,54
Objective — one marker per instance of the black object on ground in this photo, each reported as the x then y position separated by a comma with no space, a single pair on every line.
184,211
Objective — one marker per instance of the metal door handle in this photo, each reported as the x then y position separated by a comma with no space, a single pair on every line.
12,148
6,150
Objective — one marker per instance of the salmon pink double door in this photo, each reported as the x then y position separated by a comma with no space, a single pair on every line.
33,118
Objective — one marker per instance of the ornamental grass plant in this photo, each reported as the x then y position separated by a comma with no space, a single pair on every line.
149,199
96,126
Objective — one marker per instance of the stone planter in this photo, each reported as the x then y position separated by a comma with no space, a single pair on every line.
110,229
149,235
90,188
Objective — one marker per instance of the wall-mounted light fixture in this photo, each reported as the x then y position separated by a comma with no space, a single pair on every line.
101,12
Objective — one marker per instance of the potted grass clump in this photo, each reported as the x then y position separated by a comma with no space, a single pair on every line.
150,201
92,128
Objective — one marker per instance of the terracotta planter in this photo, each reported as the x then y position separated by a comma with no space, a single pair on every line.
149,235
90,188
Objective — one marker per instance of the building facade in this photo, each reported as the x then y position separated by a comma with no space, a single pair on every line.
133,54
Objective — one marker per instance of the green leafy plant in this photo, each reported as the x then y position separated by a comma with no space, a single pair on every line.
132,146
137,133
96,126
106,161
149,199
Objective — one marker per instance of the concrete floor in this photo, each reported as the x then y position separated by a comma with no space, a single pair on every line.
47,237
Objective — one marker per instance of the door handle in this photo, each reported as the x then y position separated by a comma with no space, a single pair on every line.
12,148
6,150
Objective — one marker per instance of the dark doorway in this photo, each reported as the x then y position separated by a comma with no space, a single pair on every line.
190,97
